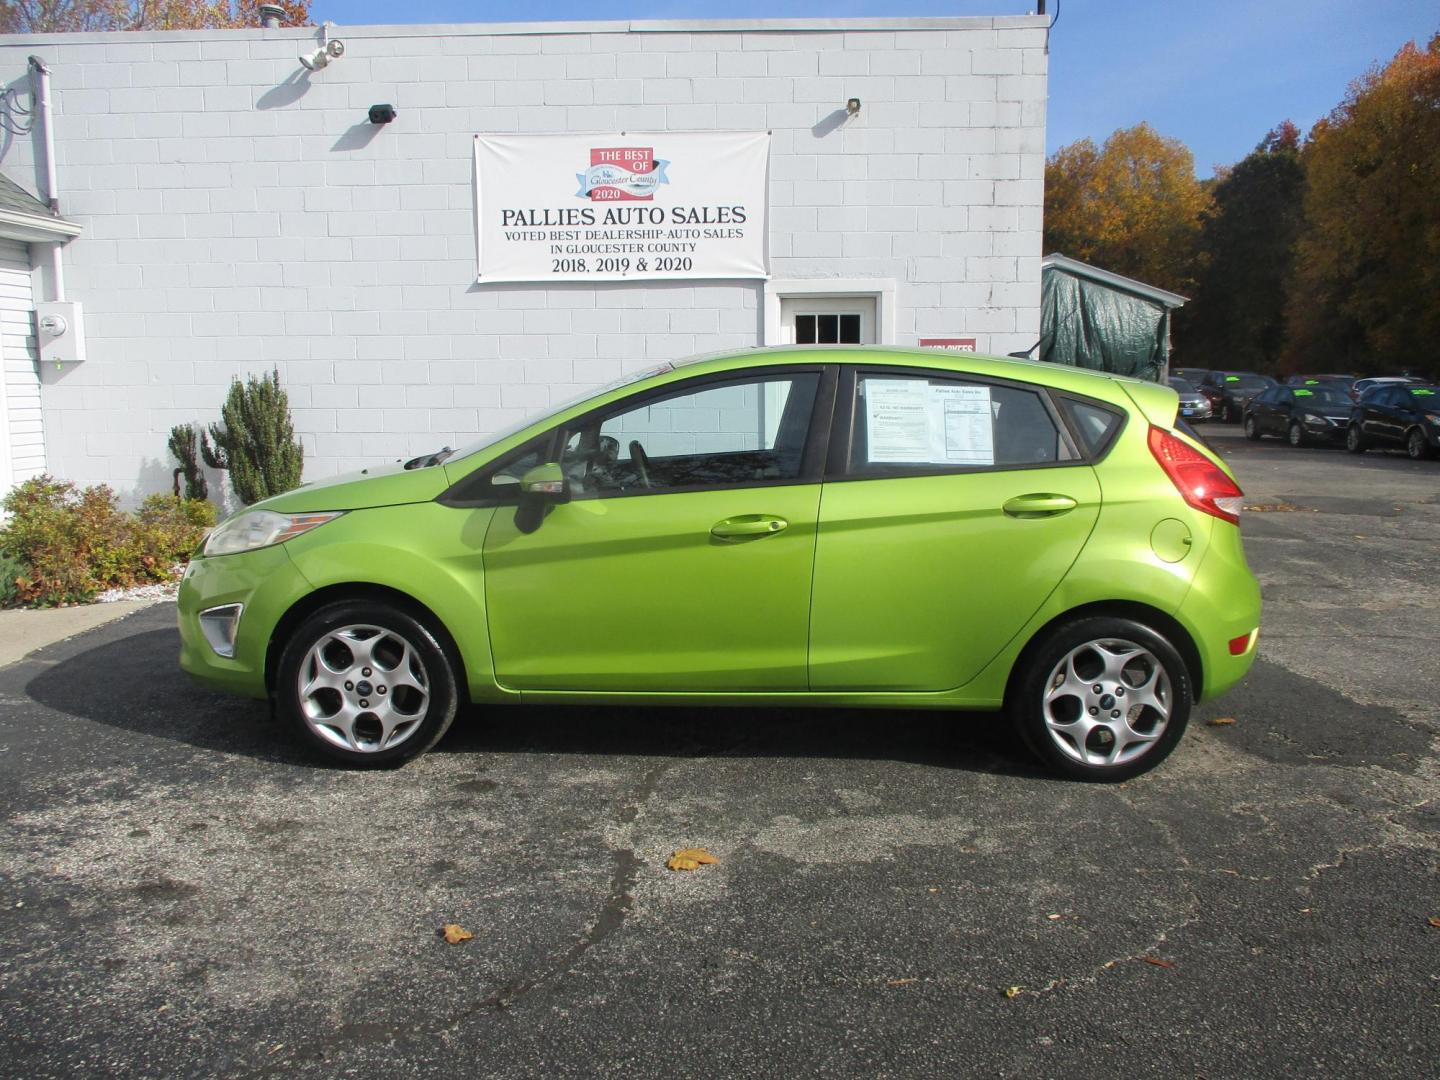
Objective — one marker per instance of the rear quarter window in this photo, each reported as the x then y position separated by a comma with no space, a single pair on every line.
1095,425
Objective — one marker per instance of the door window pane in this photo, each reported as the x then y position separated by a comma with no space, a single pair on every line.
906,422
726,434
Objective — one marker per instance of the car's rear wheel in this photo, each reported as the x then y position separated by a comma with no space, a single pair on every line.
366,684
1101,698
1297,433
1252,429
1416,445
1354,441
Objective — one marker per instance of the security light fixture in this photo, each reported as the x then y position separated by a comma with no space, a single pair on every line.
382,114
331,50
852,106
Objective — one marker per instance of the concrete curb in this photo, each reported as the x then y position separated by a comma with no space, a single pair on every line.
24,630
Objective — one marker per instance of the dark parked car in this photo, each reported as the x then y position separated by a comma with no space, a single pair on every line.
1302,414
1235,389
1396,415
1194,406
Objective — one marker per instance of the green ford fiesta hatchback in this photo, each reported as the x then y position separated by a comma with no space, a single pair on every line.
835,527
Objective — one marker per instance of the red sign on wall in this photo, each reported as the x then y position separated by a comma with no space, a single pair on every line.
956,344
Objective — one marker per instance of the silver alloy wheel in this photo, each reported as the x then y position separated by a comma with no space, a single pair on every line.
1107,702
1415,445
1297,434
363,688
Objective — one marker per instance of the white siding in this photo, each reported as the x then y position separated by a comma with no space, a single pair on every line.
23,427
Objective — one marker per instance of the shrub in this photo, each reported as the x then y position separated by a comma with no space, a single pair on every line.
12,572
185,448
73,542
256,440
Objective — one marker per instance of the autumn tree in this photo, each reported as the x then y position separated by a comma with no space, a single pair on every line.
1247,244
1132,206
74,16
1366,292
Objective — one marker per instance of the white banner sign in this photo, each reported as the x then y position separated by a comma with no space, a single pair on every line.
617,207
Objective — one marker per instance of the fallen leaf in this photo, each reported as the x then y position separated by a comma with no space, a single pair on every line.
454,933
1435,922
691,858
899,982
1221,721
1013,991
1224,870
1158,962
1052,918
933,890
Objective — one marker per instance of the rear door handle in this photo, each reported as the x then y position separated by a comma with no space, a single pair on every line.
1038,504
747,527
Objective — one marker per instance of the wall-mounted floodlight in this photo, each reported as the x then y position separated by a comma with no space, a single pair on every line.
331,50
852,106
382,114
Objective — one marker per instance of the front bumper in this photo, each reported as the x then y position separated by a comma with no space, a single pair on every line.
267,584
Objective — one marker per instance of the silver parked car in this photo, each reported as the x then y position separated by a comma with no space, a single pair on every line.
1194,405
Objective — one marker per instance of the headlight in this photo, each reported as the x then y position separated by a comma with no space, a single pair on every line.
1434,418
1318,421
261,528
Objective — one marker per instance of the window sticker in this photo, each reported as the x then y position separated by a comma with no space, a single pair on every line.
1423,393
1304,393
911,422
1312,382
896,420
1232,378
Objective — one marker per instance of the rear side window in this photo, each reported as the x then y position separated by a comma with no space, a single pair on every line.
922,423
1095,425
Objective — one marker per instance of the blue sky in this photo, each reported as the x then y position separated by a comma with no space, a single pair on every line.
1216,74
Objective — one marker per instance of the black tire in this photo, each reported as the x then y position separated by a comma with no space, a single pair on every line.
1296,433
1252,429
1354,441
1416,446
1031,713
425,704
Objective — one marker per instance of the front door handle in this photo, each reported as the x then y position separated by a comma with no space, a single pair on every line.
747,527
1038,504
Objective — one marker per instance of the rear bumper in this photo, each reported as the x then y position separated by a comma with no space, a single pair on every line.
1223,604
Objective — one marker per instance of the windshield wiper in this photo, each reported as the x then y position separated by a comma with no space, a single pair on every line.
424,461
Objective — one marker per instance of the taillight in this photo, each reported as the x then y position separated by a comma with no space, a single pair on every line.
1201,483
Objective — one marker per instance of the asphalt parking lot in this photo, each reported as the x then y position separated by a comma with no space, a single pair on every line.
184,892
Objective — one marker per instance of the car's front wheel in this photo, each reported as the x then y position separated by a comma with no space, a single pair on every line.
366,684
1101,698
1252,429
1416,445
1297,433
1354,441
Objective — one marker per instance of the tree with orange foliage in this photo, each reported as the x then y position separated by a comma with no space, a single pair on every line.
1366,291
1132,206
79,16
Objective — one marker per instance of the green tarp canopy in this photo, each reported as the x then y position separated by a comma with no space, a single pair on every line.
1094,319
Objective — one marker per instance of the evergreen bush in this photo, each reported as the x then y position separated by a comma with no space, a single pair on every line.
185,448
255,440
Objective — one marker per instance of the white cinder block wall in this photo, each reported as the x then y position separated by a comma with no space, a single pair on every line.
240,213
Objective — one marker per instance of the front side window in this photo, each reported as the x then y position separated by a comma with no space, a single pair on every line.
909,423
734,433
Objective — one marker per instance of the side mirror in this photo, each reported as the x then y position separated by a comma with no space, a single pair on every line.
540,488
546,482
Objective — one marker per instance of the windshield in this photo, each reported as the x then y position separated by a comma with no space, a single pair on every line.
1247,382
555,410
1322,395
1181,386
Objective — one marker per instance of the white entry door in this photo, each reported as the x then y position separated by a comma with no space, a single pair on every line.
827,320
